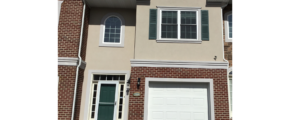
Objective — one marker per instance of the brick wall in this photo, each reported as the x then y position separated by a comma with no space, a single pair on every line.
69,28
68,44
219,76
65,91
228,46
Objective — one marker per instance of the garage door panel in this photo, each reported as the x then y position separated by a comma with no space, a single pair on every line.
157,115
172,115
185,116
177,101
199,116
171,101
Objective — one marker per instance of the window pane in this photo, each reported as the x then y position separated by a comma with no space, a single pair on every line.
93,108
230,26
96,77
169,17
109,77
116,77
122,77
188,17
93,115
112,30
188,32
169,31
94,100
120,115
103,77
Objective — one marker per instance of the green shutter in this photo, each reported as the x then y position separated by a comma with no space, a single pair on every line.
204,25
153,24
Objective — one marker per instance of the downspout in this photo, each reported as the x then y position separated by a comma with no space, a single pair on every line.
79,64
222,7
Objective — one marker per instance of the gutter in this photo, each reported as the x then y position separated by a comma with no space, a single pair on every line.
79,62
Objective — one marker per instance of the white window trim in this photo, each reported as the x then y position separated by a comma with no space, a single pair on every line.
227,39
178,40
209,81
86,111
58,10
102,31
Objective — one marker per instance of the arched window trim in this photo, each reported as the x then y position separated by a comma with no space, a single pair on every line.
226,23
102,31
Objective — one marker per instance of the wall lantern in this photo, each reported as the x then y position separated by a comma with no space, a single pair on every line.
128,88
138,83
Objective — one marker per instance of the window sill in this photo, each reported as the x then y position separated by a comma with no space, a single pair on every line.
229,40
178,41
110,45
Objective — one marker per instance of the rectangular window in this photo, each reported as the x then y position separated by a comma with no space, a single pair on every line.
178,24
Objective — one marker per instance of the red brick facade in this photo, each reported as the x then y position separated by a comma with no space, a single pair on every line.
219,76
69,29
66,91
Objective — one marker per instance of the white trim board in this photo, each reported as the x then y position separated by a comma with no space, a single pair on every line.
59,8
88,90
178,64
69,61
211,94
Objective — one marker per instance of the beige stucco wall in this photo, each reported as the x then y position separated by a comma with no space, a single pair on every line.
151,50
108,58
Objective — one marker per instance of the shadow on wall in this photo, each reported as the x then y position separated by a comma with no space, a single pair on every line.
97,14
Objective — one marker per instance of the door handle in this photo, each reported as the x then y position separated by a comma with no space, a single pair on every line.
115,102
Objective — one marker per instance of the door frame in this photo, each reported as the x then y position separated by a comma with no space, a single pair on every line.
98,97
192,80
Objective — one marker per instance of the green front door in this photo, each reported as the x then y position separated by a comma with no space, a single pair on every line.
107,102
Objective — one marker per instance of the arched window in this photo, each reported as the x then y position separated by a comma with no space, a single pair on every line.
112,30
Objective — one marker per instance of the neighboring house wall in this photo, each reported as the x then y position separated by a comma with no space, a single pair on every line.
69,28
151,50
70,21
228,46
107,58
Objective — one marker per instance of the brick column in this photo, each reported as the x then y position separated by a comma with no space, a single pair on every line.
69,28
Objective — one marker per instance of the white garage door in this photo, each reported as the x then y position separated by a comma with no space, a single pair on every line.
177,101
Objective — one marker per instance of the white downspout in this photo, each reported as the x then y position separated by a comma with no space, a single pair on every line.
224,57
79,64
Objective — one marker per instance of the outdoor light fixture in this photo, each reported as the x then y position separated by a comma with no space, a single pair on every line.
128,88
138,83
128,82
